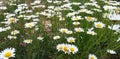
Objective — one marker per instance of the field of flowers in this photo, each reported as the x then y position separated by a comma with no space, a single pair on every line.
59,29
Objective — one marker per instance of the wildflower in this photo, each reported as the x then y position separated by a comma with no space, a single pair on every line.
63,30
90,19
69,32
40,38
73,49
56,37
12,37
91,32
7,53
30,25
92,56
60,47
79,29
66,48
111,51
99,25
27,41
76,23
12,20
75,18
15,32
71,39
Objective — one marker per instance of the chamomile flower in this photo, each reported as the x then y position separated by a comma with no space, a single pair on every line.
12,20
56,37
66,49
111,51
61,19
7,53
12,37
75,18
79,29
76,23
40,38
71,39
60,47
73,49
63,30
27,41
30,25
90,19
91,32
92,56
69,32
99,24
15,32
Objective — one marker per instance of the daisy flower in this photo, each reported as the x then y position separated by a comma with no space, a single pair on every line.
75,18
90,19
56,37
71,39
99,24
30,25
73,49
79,29
60,47
111,51
40,38
7,53
28,41
12,20
92,56
15,32
66,48
63,30
69,32
76,23
91,32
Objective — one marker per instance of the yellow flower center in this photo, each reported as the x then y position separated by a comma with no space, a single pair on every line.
99,25
28,41
72,49
92,57
8,54
78,30
66,49
63,30
71,40
30,25
12,20
91,33
76,18
89,18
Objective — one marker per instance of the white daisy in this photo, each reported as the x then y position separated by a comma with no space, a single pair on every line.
99,24
79,29
63,30
76,23
28,41
15,32
75,18
30,25
91,32
92,56
71,39
69,32
111,51
7,53
73,49
56,37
